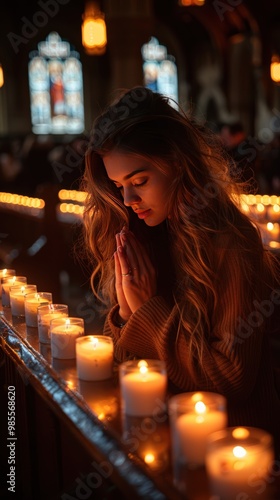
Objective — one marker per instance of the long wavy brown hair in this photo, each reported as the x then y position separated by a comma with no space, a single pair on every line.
205,221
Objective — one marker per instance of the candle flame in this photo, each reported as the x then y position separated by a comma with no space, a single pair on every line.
95,342
200,407
240,433
67,322
149,458
143,366
239,452
4,272
22,289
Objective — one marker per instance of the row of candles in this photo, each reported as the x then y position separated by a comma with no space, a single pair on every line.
233,457
264,210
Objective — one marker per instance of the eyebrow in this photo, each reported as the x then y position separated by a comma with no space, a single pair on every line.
128,176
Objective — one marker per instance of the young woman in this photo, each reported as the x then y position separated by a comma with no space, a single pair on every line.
181,271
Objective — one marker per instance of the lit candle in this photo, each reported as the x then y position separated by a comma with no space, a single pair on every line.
45,314
31,303
238,461
64,332
193,416
3,273
143,387
7,282
273,212
273,231
258,212
94,356
17,296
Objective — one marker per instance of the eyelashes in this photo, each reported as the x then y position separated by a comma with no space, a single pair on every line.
140,184
134,185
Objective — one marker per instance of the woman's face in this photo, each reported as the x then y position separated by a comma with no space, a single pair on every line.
144,188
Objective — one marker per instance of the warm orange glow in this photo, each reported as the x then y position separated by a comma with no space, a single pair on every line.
72,195
149,458
21,201
1,76
71,208
188,3
275,69
94,34
240,433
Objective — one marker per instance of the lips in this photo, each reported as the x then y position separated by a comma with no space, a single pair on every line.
143,214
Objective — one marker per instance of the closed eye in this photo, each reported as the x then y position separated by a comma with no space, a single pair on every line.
134,185
140,184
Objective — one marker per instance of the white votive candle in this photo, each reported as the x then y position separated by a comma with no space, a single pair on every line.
17,296
7,282
94,355
3,273
45,315
64,332
238,462
143,387
193,416
31,303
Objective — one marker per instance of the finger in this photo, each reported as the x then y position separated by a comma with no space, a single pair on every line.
138,252
130,253
124,263
118,240
118,275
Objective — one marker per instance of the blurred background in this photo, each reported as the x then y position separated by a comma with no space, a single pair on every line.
61,62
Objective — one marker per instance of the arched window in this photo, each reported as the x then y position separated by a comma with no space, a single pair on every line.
160,70
56,88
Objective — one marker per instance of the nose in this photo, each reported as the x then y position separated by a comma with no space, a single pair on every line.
130,196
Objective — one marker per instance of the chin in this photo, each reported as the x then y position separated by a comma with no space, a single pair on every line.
153,223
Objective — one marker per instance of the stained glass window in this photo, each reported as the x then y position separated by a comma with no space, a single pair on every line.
160,70
56,88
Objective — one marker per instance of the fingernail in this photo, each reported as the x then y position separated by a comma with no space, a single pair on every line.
120,249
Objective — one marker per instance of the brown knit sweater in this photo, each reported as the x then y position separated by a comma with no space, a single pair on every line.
237,364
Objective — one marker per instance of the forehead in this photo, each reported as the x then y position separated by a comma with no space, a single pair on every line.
118,164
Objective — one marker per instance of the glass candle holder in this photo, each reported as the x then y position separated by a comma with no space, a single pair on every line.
3,273
143,386
31,303
238,461
45,314
193,416
7,282
64,332
94,355
17,297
